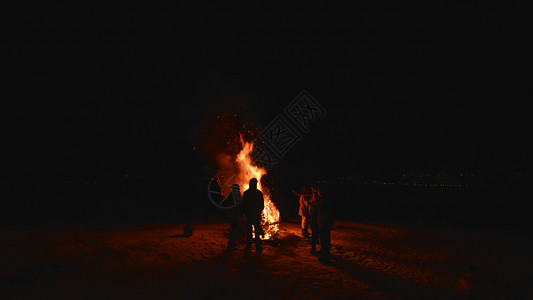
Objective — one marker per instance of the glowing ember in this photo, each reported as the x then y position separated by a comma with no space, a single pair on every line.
247,170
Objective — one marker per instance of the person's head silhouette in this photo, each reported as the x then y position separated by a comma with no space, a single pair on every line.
253,184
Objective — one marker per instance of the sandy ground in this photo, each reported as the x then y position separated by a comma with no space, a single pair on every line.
154,261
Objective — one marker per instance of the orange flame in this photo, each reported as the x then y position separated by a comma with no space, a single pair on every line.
248,170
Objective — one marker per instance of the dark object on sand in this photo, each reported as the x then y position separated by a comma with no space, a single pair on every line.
188,230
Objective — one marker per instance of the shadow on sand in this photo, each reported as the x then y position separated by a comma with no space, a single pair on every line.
183,235
391,284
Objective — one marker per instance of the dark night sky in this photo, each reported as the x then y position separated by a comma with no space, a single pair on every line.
117,89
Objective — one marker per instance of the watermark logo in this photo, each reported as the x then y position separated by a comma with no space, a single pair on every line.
286,129
280,136
263,158
303,109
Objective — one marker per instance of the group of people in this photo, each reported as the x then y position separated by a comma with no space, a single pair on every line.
250,206
315,211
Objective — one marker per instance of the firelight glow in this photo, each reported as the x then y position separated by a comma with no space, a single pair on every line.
248,170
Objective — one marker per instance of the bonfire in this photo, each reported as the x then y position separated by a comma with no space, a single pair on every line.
247,170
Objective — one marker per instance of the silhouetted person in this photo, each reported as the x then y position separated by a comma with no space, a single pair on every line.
234,212
313,211
253,204
325,222
304,210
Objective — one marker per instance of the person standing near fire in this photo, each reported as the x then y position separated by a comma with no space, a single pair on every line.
304,210
233,213
253,204
313,212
